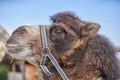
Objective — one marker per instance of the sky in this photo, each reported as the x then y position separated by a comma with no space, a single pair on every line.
14,13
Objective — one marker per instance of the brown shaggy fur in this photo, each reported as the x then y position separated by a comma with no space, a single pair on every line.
80,51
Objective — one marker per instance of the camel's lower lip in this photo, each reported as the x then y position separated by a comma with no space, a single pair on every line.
14,50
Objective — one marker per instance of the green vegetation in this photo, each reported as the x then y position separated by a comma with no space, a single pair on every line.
3,72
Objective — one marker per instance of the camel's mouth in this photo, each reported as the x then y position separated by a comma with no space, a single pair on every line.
14,48
18,51
21,52
13,45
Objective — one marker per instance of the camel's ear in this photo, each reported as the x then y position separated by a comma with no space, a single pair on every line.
90,29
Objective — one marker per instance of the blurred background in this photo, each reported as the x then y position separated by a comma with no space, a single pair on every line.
14,13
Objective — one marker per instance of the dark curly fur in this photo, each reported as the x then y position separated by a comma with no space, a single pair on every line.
80,51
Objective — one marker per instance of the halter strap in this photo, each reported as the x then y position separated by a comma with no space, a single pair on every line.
46,53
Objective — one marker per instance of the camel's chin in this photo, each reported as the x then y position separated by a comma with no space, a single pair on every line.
26,57
17,56
21,55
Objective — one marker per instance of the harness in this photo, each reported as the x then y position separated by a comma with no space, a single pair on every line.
47,54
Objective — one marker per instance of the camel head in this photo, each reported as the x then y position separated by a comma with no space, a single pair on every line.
25,44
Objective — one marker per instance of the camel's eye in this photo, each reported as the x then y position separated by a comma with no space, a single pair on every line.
20,30
58,31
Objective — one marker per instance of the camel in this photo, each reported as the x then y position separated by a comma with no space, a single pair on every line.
79,50
25,44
